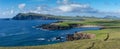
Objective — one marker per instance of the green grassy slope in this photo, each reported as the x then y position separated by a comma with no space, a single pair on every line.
99,22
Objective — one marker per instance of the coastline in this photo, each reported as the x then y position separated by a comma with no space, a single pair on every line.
91,26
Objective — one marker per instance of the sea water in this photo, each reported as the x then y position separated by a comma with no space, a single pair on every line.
23,33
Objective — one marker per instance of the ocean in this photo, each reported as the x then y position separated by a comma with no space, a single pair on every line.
22,33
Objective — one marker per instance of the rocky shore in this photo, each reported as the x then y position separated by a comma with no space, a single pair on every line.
55,26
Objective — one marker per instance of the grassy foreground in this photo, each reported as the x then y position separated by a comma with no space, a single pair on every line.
112,43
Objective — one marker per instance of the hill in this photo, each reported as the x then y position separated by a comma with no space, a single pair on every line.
34,16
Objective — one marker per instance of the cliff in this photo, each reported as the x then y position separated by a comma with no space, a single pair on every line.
34,16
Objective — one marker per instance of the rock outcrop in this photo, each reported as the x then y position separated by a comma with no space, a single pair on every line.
55,26
77,36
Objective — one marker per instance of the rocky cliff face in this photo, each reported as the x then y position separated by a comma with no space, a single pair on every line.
78,36
33,16
54,26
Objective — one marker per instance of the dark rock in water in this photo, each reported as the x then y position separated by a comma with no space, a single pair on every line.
34,16
77,36
58,38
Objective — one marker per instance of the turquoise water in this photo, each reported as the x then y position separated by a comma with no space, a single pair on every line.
21,33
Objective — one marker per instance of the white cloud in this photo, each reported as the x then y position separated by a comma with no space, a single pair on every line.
69,8
76,8
21,6
9,12
39,8
12,11
42,9
65,7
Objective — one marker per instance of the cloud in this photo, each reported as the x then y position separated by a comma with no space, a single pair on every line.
9,12
12,11
41,9
67,8
76,8
21,6
64,7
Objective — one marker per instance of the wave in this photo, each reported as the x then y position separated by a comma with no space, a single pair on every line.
5,34
41,39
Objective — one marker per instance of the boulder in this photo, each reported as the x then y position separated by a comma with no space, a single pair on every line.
70,37
77,36
84,35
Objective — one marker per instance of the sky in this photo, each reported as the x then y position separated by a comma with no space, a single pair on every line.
99,8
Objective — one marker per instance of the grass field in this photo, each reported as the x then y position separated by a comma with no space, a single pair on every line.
99,22
112,43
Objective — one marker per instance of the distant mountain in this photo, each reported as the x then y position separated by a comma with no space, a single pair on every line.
34,16
111,17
